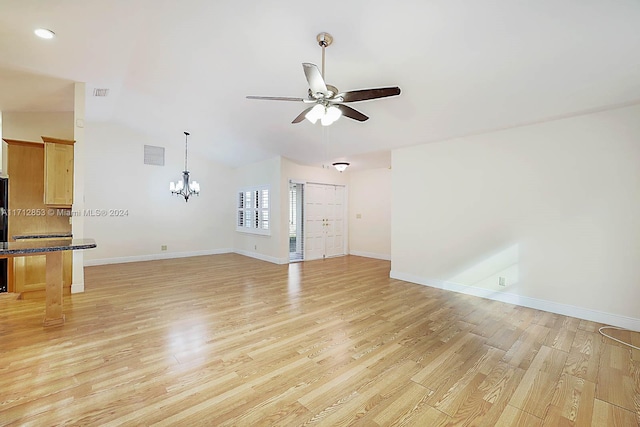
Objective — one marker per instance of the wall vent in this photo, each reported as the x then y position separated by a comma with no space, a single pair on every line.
100,92
153,155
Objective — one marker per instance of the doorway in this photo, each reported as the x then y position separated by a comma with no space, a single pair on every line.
296,224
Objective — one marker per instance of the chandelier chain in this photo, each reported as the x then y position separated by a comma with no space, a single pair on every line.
186,142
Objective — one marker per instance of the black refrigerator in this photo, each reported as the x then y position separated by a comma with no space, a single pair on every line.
4,223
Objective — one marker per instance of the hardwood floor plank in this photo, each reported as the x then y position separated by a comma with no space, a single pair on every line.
537,388
606,414
408,403
584,355
616,382
572,403
525,349
485,405
377,392
515,417
229,340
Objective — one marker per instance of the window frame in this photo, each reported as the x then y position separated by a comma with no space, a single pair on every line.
255,224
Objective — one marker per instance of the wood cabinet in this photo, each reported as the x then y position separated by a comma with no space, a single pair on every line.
28,213
58,172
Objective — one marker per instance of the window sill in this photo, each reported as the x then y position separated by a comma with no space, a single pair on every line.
254,231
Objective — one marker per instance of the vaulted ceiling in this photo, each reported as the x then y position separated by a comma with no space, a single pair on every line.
464,67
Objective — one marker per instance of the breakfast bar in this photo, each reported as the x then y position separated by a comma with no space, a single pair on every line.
53,250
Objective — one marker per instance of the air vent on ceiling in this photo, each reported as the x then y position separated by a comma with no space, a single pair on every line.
153,155
100,92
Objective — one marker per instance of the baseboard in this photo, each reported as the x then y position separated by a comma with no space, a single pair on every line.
262,257
154,257
538,304
386,257
77,288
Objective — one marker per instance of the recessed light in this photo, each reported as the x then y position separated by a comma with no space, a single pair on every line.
44,33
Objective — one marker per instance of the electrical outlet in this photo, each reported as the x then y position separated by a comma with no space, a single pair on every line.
255,247
163,247
502,281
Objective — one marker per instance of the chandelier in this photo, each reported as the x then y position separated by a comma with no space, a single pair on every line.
185,187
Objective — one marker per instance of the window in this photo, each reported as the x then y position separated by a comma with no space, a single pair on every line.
253,210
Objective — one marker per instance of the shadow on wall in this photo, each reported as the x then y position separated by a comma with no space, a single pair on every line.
495,273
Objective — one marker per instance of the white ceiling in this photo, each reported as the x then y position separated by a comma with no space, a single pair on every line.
464,67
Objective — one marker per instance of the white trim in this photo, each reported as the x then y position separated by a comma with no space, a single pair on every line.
153,257
262,257
539,304
386,257
77,288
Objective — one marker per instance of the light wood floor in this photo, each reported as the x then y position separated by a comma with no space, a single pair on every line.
229,340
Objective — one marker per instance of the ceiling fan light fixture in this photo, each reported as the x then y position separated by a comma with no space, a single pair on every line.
341,166
332,114
326,115
316,113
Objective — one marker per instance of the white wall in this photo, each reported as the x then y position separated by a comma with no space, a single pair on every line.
554,208
264,247
77,222
370,213
117,178
32,126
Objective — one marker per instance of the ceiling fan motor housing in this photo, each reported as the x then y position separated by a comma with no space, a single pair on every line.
324,39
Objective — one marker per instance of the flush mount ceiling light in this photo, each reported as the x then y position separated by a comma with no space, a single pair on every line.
43,33
183,187
341,166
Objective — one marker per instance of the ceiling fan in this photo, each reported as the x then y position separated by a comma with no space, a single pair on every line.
328,102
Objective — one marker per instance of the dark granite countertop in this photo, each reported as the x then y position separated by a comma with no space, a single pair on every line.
35,246
61,234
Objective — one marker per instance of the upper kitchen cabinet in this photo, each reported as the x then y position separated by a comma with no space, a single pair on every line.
58,172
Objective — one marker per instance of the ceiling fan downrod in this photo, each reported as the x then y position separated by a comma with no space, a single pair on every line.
324,40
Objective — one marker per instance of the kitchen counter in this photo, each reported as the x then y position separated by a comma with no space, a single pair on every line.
36,246
61,235
53,250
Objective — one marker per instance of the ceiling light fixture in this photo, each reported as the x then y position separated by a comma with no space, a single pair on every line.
341,166
183,187
43,33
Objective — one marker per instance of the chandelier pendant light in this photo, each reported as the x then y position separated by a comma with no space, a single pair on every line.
185,187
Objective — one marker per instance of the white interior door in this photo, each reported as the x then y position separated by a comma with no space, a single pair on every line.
313,221
334,235
324,221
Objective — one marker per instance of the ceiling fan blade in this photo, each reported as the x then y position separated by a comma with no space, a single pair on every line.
302,115
351,113
276,98
315,79
366,94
